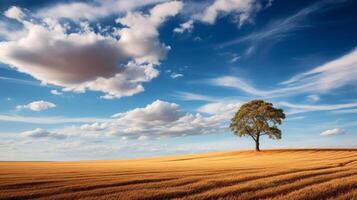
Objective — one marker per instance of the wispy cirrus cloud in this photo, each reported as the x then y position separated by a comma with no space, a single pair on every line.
41,133
176,75
280,28
214,105
21,81
229,104
302,108
226,108
313,98
331,132
50,119
188,96
321,79
329,76
346,111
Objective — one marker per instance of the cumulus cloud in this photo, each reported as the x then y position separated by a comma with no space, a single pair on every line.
335,131
140,38
243,9
156,111
41,133
208,12
37,106
115,63
56,92
159,119
185,27
92,10
14,13
93,127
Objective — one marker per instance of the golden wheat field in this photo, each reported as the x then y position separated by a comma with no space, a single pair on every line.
270,174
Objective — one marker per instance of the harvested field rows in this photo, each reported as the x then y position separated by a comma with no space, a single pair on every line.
271,174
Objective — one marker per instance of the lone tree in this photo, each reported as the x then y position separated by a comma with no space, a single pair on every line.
257,118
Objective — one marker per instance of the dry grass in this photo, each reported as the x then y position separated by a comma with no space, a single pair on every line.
273,174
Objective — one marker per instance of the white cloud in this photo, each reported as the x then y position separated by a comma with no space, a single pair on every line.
188,96
127,83
197,39
238,83
347,111
41,133
221,105
173,75
321,79
143,137
224,107
56,92
21,81
141,37
14,13
220,108
208,12
37,106
49,120
234,59
89,60
294,118
185,27
93,127
9,32
156,111
176,75
92,10
300,108
159,119
313,98
335,131
243,9
331,75
280,28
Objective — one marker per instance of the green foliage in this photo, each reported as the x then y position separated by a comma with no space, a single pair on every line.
257,118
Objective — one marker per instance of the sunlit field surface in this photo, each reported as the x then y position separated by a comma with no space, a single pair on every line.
273,174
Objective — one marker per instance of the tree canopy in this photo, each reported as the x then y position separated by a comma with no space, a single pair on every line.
257,118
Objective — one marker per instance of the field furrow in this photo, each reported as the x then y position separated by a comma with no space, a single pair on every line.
272,174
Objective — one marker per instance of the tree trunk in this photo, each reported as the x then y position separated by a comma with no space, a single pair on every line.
257,146
257,143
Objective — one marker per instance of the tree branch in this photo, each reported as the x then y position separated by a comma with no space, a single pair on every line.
253,137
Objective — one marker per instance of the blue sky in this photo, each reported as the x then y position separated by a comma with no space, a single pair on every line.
121,79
